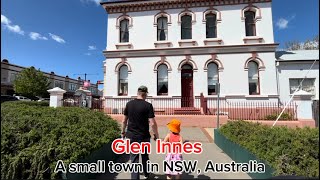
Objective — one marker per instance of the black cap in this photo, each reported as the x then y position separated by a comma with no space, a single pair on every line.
143,89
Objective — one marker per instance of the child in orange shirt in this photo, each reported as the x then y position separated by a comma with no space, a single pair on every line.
173,136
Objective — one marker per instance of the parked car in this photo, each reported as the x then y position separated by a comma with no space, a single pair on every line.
44,100
5,98
22,98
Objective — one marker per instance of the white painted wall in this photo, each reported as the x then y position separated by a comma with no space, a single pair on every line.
233,79
288,70
231,29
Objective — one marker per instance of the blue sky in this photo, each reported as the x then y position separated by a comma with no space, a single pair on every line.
68,36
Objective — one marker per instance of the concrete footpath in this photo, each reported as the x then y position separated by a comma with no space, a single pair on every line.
191,134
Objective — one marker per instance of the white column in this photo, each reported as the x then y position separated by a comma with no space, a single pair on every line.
56,96
304,104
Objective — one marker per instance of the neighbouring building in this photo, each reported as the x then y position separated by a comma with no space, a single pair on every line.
10,71
180,49
293,67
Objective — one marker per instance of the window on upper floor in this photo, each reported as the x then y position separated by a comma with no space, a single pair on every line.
123,81
124,31
186,27
213,78
211,25
162,29
307,85
59,84
254,79
162,80
72,87
250,23
13,77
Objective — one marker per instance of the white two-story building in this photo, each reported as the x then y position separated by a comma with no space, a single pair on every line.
180,49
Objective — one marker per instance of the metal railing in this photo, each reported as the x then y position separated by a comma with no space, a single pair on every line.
234,109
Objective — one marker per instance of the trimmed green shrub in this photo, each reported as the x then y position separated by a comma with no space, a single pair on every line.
284,116
34,138
289,151
30,103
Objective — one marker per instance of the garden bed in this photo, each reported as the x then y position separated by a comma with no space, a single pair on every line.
284,151
34,137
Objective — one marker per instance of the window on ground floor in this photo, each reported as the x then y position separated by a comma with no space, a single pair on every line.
253,77
123,81
308,85
213,78
162,88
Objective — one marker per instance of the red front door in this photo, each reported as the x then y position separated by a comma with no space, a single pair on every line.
187,88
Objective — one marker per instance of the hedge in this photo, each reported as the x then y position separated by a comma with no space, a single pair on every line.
35,137
289,151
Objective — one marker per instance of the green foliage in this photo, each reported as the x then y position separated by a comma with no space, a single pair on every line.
35,137
284,116
31,82
30,103
289,151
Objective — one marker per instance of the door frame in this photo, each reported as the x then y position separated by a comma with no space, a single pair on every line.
187,100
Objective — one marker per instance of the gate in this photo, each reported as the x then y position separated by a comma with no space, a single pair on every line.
315,112
97,104
78,101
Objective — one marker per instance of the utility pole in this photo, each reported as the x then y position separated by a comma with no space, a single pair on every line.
218,104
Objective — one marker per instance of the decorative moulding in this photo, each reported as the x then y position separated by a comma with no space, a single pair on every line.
122,17
187,43
122,46
214,11
187,12
162,44
162,14
163,60
253,8
212,41
252,39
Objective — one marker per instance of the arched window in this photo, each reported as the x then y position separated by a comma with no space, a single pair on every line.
211,25
123,81
186,27
124,30
213,78
162,88
162,29
250,23
253,77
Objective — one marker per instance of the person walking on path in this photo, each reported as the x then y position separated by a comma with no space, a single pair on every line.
138,114
173,137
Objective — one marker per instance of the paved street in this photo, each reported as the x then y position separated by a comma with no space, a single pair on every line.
210,152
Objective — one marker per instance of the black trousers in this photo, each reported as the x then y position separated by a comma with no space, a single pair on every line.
135,159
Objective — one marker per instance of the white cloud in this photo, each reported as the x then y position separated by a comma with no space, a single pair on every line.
97,2
92,47
87,54
37,36
11,27
283,23
5,20
57,38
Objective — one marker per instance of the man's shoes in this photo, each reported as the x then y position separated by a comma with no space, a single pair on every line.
150,176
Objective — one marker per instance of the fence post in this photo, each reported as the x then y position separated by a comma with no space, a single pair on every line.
203,104
304,105
56,96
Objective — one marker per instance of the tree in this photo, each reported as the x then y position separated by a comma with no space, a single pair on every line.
307,45
31,82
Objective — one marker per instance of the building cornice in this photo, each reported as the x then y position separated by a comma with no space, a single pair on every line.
204,50
150,5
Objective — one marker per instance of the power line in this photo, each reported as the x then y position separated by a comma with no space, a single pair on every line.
294,93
